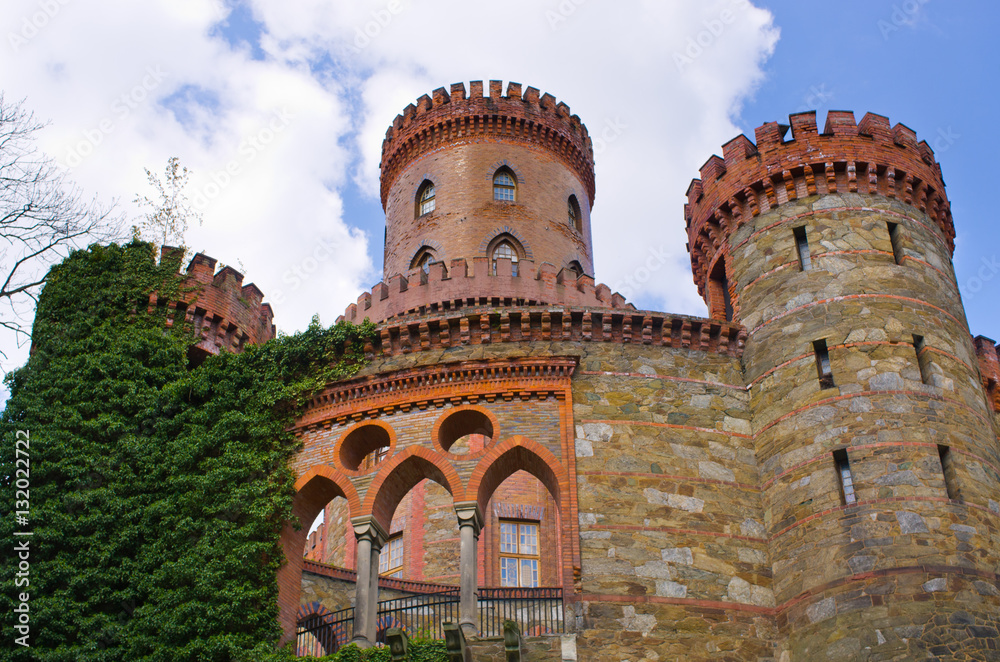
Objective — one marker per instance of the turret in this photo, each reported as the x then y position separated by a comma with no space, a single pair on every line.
506,178
875,443
226,314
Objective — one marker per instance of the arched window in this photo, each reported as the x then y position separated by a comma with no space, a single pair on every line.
507,250
422,260
504,185
575,218
576,268
425,198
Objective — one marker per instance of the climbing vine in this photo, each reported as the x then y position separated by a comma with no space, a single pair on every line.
157,491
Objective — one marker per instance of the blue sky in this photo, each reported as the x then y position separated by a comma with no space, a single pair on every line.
279,110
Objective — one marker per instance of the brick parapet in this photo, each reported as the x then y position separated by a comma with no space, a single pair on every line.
401,585
485,324
226,314
989,368
855,157
519,117
458,287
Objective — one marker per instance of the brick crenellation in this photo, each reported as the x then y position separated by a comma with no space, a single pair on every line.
455,287
227,314
868,157
447,117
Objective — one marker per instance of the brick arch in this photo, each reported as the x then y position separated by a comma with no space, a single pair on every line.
516,454
400,474
313,490
331,637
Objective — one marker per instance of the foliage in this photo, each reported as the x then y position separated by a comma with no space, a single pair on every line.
420,650
43,217
167,220
157,492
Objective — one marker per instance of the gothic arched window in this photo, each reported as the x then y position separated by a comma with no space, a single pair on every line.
504,185
425,198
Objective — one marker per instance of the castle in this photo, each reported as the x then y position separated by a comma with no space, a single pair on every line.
811,472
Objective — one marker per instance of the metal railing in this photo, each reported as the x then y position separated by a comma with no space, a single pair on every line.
322,634
419,615
537,611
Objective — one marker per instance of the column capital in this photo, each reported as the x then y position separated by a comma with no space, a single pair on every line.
469,514
366,528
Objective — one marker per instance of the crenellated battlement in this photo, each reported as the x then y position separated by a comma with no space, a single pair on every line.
524,116
868,157
226,313
458,287
484,324
989,368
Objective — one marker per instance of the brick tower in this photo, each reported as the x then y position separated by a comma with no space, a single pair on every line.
873,438
487,198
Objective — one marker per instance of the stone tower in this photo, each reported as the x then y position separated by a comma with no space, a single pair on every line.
872,435
811,472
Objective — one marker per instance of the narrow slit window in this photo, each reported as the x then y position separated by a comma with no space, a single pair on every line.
923,358
948,468
844,475
823,364
897,246
802,246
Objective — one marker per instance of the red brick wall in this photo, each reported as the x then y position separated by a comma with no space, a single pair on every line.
466,217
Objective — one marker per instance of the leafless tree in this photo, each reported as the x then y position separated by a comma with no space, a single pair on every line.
167,220
43,216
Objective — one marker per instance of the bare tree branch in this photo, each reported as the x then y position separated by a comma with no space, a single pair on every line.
43,216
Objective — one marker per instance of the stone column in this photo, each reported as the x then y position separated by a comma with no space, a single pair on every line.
470,523
370,537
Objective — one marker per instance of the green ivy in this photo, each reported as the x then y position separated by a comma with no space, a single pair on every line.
158,492
420,650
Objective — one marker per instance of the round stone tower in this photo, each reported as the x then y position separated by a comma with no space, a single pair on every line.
873,437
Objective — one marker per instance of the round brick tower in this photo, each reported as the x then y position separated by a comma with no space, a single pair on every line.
873,437
486,196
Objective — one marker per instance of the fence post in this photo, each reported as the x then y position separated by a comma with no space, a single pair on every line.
398,644
512,641
454,641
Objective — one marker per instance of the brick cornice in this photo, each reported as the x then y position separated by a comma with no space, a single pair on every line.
465,382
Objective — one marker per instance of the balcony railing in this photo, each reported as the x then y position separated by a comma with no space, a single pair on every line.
537,611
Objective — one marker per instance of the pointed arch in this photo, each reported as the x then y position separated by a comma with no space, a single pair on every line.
401,473
313,490
516,454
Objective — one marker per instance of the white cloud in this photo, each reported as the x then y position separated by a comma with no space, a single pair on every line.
615,64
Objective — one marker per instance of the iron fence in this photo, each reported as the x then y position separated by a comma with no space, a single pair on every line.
419,615
322,634
537,611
